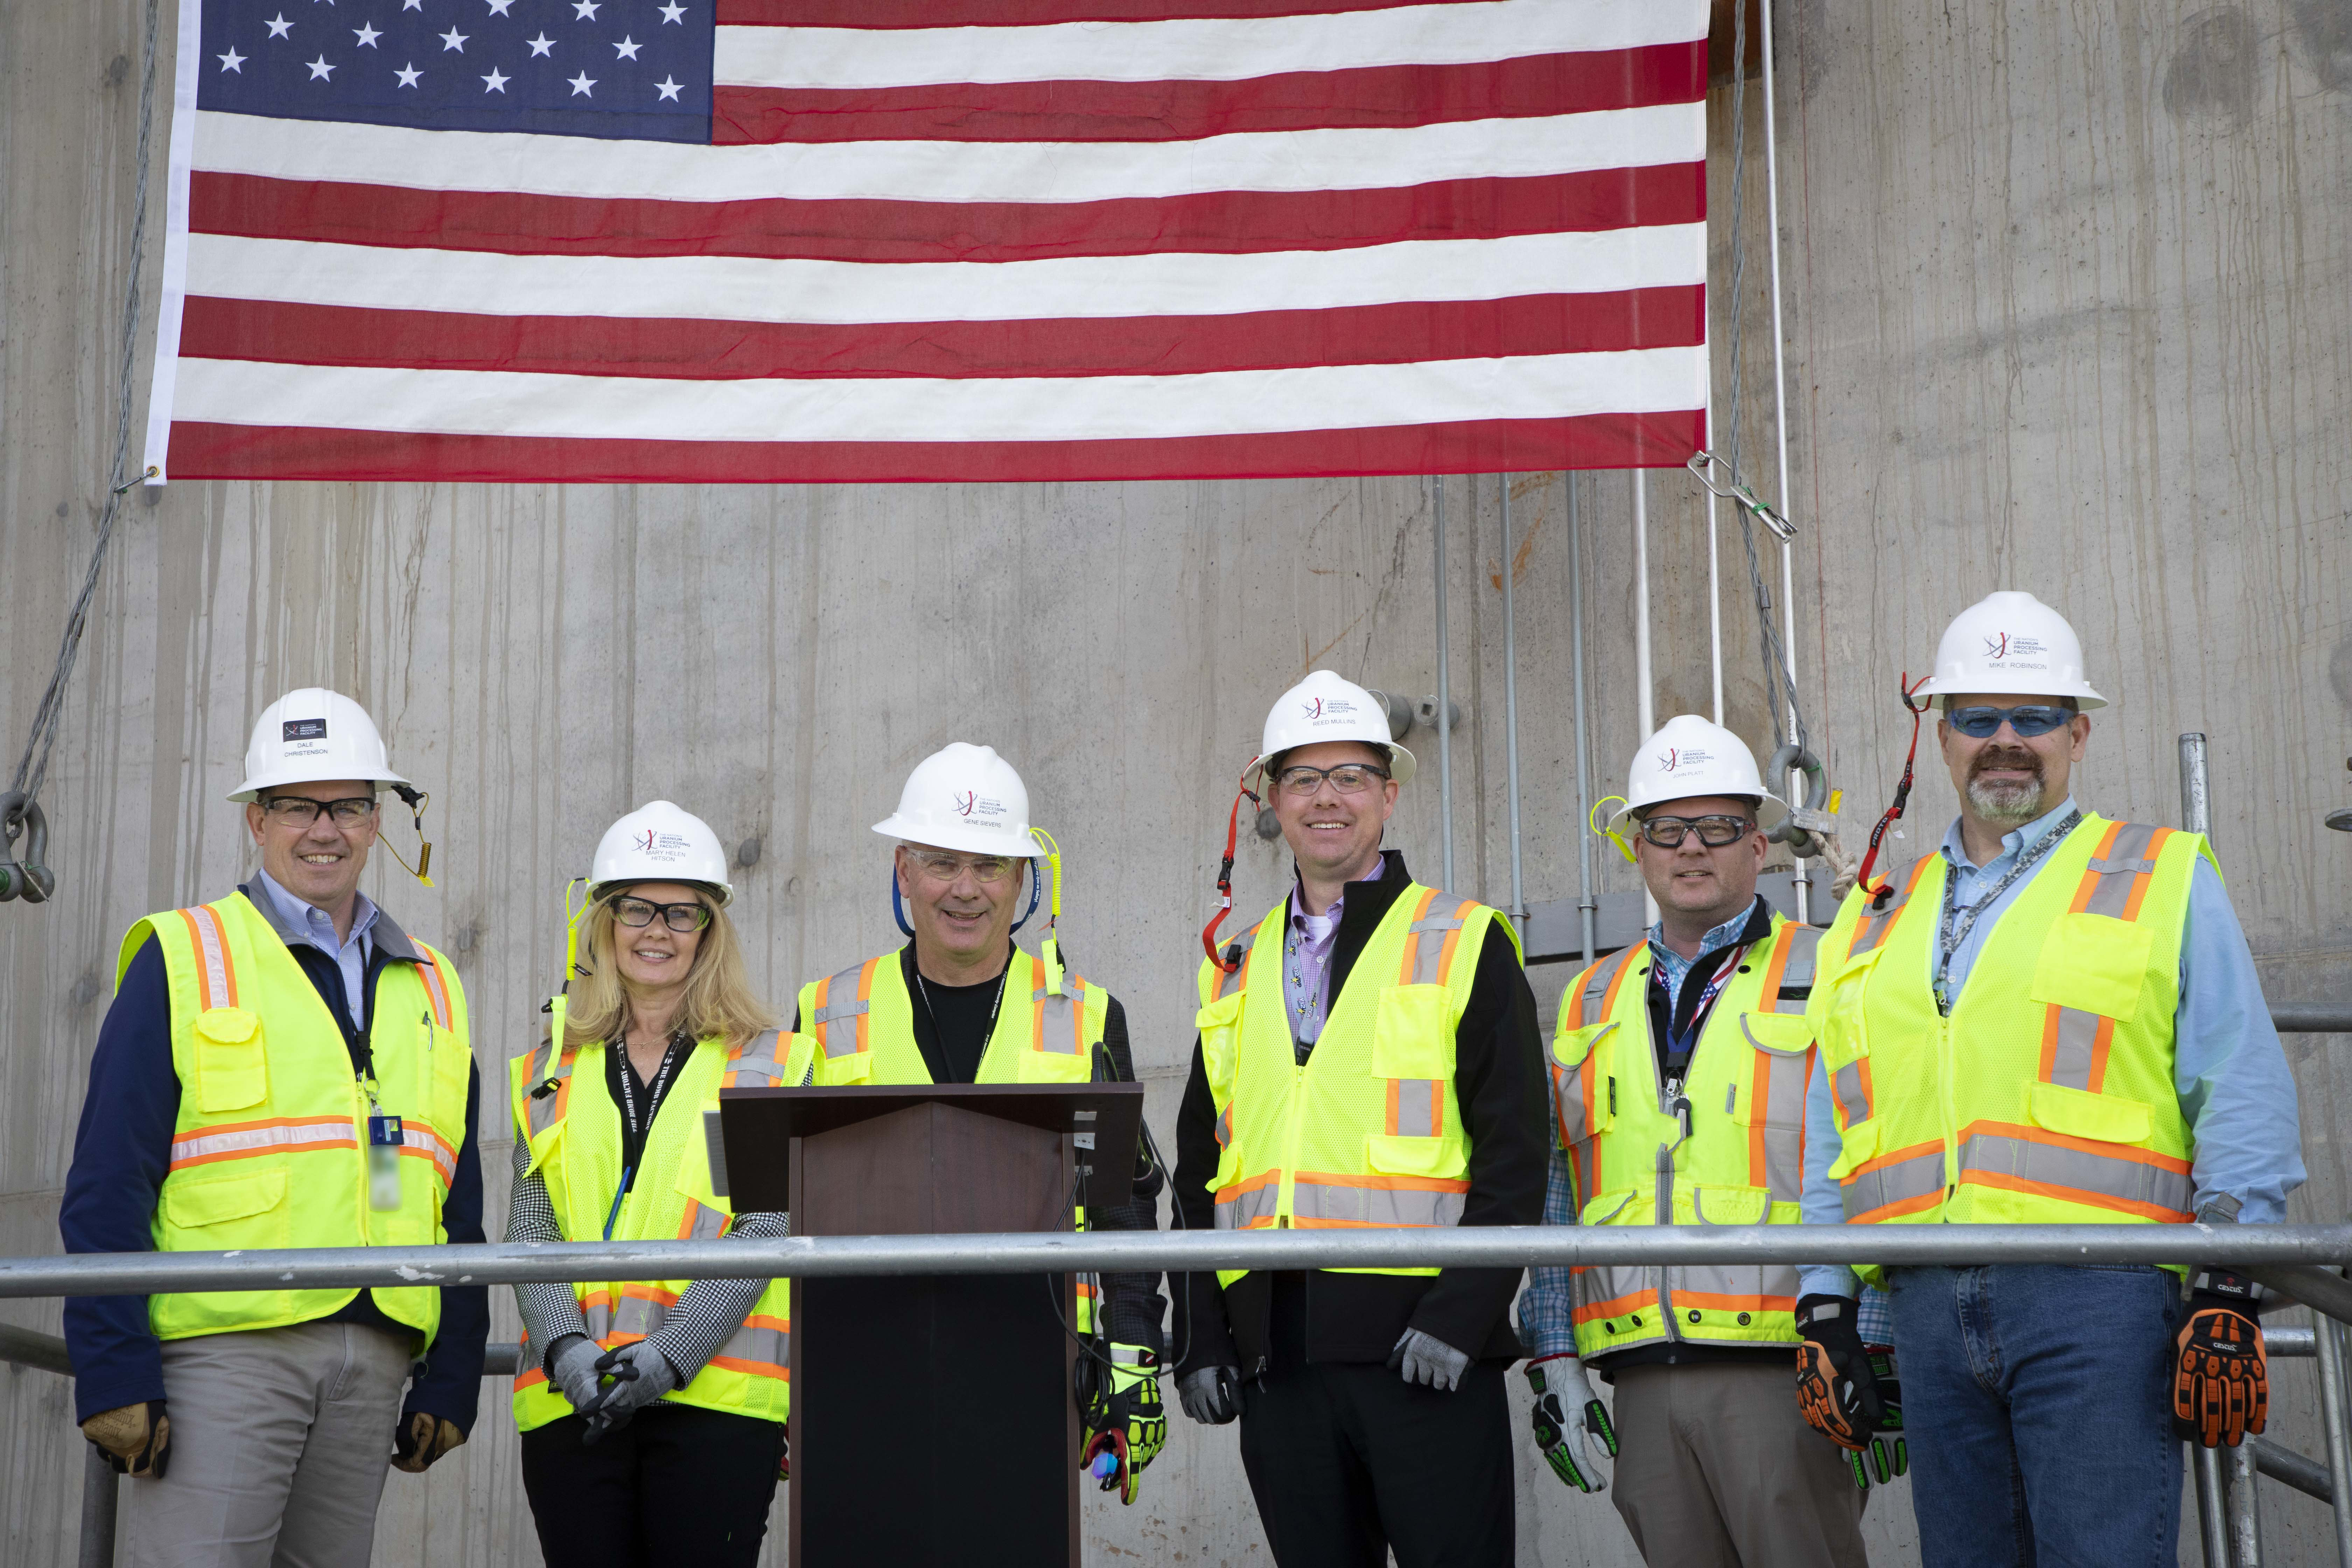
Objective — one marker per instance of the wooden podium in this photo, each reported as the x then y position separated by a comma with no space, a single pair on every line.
931,1417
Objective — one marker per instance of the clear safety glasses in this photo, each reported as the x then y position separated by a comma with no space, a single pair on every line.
1715,832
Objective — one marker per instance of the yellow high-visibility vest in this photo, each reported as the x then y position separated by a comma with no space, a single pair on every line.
269,1146
2047,1096
575,1148
1367,1132
1741,1164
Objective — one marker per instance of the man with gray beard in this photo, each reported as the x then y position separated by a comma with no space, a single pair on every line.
2052,1019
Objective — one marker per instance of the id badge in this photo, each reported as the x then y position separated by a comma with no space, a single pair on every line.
383,1162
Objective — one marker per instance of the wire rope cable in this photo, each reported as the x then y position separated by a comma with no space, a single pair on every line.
33,766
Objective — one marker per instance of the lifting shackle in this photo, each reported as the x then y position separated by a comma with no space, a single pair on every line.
30,878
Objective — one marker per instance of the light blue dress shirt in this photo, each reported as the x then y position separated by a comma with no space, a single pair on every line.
350,954
2228,1069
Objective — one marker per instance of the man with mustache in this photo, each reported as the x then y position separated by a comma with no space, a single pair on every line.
2054,1018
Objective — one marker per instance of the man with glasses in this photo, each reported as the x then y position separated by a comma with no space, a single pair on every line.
1678,1088
2054,1018
1368,1056
283,1066
962,1003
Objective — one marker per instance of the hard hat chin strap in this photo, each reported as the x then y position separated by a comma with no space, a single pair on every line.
899,904
416,800
1226,878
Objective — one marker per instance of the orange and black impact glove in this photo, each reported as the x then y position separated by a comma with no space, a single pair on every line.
2220,1376
1837,1390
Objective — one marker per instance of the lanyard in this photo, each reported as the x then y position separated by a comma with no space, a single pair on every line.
639,1132
993,1008
1679,1046
1953,930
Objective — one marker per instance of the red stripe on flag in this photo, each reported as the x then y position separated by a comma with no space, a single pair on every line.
1515,445
1160,345
1217,223
913,13
1384,97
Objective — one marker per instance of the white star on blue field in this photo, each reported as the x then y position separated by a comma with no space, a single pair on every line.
635,69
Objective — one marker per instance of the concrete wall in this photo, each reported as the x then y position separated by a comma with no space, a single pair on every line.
2069,300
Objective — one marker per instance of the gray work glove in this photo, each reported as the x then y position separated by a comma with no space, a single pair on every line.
1211,1395
639,1375
1420,1358
571,1367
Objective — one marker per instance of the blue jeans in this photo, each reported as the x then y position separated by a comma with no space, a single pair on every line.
2035,1399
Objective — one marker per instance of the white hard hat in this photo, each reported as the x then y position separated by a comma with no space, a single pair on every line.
1326,707
964,797
660,842
1689,757
310,735
2013,644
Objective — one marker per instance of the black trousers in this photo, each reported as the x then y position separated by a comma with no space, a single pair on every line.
1347,1460
677,1485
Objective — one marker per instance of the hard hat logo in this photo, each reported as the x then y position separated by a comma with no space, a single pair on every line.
303,730
1673,759
646,845
2005,646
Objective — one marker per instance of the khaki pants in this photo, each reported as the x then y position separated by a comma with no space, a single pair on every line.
280,1442
1716,1469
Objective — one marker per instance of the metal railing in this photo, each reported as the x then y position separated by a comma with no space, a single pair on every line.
2291,1257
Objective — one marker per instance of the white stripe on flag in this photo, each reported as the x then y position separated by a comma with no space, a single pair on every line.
751,288
1217,50
1322,397
1041,171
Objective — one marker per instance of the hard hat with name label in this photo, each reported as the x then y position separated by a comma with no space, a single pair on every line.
2012,644
660,842
1687,758
310,735
1326,707
967,798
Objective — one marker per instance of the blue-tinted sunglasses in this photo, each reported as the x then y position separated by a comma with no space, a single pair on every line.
1983,723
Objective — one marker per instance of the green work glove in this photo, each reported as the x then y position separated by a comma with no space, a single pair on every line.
1888,1459
1557,1433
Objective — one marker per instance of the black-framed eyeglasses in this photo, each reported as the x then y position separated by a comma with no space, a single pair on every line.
302,811
1348,778
1715,832
2034,718
638,914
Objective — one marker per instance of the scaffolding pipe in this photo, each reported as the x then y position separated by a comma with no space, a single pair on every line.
1795,782
2212,1526
2336,1420
2196,798
1587,903
2244,1511
1192,1251
98,1515
1511,719
1714,582
1646,704
1445,695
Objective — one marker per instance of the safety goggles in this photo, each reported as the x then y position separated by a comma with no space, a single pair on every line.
2035,719
1348,778
638,914
1715,832
986,869
302,811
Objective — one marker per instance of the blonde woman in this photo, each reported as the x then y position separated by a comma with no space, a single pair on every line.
633,1392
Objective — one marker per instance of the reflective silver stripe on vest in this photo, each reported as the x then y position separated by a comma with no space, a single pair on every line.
1224,1127
755,1066
542,1111
598,1311
1872,929
1426,956
2073,1051
831,1010
1852,1096
2120,868
1237,950
1335,1204
1419,1105
702,1222
1902,1181
758,1343
1254,1206
638,1315
1062,1029
1596,988
2095,1176
205,921
1797,974
1781,1118
1617,1290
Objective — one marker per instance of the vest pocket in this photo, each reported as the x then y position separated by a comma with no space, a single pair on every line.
1723,1205
1842,1033
190,1204
1396,1156
1413,1033
2094,964
2103,1118
850,1066
232,1064
1860,1147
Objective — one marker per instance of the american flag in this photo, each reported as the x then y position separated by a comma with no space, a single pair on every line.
853,240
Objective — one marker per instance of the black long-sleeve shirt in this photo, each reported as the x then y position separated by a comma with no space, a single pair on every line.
1498,1084
122,1151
